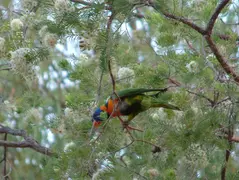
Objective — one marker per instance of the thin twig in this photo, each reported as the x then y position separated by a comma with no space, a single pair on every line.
185,21
5,159
82,2
202,96
228,151
6,69
191,47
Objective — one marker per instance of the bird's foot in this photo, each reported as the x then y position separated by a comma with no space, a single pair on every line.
127,127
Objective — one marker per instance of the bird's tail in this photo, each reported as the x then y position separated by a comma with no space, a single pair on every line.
163,104
167,106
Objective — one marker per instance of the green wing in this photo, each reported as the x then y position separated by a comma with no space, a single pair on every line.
136,91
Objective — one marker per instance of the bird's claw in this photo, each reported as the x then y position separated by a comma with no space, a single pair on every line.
127,127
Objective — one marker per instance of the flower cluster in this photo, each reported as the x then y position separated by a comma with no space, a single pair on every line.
69,146
16,24
85,60
29,4
192,67
63,6
34,114
2,46
153,173
43,31
126,75
49,39
196,155
20,54
29,19
19,62
158,114
9,107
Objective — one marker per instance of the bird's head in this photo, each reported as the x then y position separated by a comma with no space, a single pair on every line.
96,118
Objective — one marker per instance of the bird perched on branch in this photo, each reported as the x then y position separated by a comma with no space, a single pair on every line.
131,102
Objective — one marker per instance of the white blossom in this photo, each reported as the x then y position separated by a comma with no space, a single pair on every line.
126,75
2,43
196,155
63,6
210,56
68,146
158,114
20,54
192,66
16,24
34,113
9,107
2,46
153,172
85,60
29,19
43,31
19,62
29,4
50,40
68,112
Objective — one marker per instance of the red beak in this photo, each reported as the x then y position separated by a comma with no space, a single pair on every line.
96,124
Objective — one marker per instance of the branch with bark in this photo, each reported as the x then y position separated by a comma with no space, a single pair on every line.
28,141
207,35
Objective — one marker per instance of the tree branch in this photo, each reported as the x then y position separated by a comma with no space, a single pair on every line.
207,35
82,2
109,60
5,159
227,68
28,142
202,96
185,21
214,16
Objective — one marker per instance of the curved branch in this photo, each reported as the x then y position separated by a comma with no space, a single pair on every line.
28,142
227,68
185,21
214,16
207,35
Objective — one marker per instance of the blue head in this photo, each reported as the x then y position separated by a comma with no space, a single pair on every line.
96,118
96,115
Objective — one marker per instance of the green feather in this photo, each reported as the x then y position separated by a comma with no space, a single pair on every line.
136,91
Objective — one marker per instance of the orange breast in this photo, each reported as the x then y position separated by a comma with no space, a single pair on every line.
112,108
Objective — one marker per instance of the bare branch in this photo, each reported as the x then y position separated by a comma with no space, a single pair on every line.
28,142
5,159
6,69
202,96
109,61
214,16
185,21
192,48
207,35
227,68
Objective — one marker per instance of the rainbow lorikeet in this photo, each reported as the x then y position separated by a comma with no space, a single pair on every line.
131,102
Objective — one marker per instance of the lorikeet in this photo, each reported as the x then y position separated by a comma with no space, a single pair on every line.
131,102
